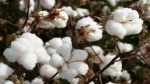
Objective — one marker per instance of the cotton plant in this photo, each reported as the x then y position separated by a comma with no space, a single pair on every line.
57,18
70,63
114,70
5,71
23,5
124,22
89,29
54,43
124,47
27,50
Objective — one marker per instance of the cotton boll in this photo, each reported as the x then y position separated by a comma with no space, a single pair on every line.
51,50
69,11
115,28
43,14
55,42
46,24
42,55
61,20
124,47
36,41
125,75
78,55
47,4
66,40
82,12
9,82
10,55
74,81
69,74
47,71
27,82
93,50
65,51
28,60
5,71
81,67
58,63
91,82
37,80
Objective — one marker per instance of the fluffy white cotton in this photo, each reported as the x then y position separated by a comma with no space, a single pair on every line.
28,60
125,75
61,20
74,81
26,82
42,55
78,55
23,7
124,47
56,61
69,11
114,70
90,29
124,22
37,80
47,71
66,40
80,67
5,71
110,83
47,4
9,82
55,42
82,12
46,24
69,74
91,82
2,81
27,51
113,2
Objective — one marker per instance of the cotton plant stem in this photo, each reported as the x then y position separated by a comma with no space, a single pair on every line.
52,78
9,22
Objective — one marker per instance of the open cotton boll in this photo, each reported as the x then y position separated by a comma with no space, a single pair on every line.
47,4
28,60
66,40
5,71
42,55
51,50
55,42
37,80
10,55
47,71
115,28
9,82
61,20
69,11
64,51
80,67
69,74
46,24
78,55
124,47
58,63
74,81
36,41
82,12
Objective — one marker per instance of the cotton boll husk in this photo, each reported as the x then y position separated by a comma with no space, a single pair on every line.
115,28
46,24
36,41
69,74
42,55
37,80
5,71
9,82
78,55
65,51
66,40
81,67
55,42
74,81
47,71
28,60
47,4
51,50
56,61
10,55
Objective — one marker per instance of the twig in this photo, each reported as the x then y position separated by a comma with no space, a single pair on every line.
9,22
52,77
